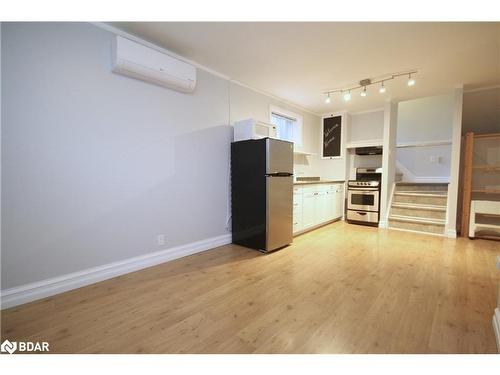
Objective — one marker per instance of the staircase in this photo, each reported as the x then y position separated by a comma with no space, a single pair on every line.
419,207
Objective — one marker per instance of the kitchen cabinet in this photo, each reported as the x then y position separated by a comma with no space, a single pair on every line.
309,209
316,204
338,198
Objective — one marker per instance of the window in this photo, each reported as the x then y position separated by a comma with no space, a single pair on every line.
288,125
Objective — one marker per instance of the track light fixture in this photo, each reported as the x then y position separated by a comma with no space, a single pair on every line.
345,92
411,81
382,88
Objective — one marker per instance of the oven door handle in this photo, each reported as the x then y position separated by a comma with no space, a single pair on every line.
363,190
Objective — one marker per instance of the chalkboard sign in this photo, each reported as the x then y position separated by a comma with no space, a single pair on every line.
331,145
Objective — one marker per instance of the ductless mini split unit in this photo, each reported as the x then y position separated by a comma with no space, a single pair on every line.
138,61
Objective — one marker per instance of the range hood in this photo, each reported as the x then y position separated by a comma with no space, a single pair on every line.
375,150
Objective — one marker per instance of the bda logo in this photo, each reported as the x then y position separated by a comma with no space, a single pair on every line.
8,347
24,346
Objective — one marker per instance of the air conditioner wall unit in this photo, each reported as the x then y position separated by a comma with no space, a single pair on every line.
147,64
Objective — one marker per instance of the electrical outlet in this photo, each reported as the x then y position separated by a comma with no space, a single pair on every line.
160,239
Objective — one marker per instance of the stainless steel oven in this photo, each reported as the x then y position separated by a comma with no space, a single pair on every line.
363,202
362,199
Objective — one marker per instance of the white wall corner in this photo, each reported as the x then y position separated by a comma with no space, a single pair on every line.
496,327
383,224
451,233
456,137
49,287
388,155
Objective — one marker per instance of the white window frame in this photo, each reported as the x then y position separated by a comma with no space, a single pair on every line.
297,133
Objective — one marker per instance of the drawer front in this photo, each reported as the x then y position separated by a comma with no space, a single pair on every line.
369,217
323,187
297,222
309,189
297,206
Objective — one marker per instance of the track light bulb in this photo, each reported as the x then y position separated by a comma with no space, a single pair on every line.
411,81
363,93
328,99
347,96
382,88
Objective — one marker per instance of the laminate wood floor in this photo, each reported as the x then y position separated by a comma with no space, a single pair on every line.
339,289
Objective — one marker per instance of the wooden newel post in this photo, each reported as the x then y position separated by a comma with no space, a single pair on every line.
468,156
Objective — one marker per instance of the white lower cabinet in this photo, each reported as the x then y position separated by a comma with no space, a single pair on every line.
316,204
308,209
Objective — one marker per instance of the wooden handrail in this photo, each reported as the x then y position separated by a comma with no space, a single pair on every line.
491,135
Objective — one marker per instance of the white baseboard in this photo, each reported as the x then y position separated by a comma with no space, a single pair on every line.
496,327
423,179
45,288
416,231
382,224
451,233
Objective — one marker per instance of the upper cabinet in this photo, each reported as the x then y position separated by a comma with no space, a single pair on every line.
366,129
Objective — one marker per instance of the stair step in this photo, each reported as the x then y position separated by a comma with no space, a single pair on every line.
420,198
422,184
417,224
417,220
418,210
412,186
416,206
422,193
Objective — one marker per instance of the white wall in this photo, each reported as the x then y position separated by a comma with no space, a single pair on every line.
95,165
364,127
452,202
367,126
481,111
388,159
425,119
428,119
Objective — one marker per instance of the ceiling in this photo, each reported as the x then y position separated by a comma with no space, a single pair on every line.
300,61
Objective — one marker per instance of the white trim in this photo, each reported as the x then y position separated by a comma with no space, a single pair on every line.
416,231
367,111
496,327
383,224
423,144
45,288
431,179
482,89
452,202
391,197
365,143
116,31
451,233
299,120
408,176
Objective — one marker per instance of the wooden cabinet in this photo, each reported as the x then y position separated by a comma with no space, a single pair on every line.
316,204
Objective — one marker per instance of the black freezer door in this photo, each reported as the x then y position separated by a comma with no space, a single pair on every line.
262,193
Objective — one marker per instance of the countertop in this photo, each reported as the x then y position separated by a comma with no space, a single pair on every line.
318,182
